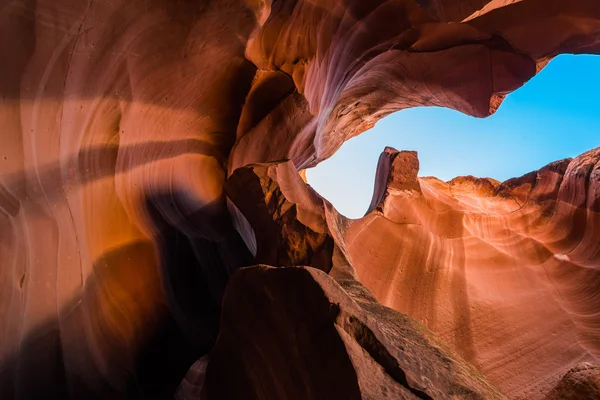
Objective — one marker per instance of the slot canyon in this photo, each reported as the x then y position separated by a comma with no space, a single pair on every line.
159,239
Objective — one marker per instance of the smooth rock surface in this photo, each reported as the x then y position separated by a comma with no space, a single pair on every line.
122,120
506,273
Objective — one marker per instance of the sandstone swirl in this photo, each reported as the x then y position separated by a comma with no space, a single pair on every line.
506,273
122,121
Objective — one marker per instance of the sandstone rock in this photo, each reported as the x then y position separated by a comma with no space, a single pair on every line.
395,171
122,120
286,215
192,385
580,382
504,273
454,254
294,333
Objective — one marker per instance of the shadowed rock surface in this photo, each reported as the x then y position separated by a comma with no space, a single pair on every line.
319,341
287,216
581,382
464,284
123,120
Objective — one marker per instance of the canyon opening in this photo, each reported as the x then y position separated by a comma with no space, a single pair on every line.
552,117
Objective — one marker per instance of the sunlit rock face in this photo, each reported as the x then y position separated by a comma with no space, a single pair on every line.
122,120
505,273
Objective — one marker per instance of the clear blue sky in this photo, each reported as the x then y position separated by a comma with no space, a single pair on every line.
554,116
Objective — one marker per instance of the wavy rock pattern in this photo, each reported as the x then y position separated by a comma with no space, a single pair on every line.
506,273
122,120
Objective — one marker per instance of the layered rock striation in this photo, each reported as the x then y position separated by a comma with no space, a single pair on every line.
149,150
505,273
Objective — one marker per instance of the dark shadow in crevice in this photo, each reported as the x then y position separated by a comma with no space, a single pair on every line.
142,319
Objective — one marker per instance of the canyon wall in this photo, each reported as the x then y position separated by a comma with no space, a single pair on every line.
142,162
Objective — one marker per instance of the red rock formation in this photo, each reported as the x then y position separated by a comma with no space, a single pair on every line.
504,273
121,121
581,382
322,341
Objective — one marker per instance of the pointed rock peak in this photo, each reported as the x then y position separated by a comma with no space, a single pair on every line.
404,169
397,170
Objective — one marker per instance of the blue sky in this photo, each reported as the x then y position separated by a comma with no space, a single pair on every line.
554,116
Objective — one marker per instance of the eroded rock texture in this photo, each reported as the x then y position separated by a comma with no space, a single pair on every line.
580,382
505,273
122,120
322,341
